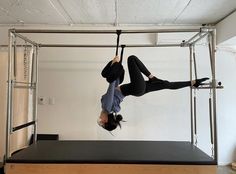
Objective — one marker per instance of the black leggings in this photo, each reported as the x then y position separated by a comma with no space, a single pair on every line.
138,86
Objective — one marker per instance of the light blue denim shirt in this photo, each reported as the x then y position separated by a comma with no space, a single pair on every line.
112,99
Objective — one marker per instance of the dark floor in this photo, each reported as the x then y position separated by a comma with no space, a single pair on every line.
121,152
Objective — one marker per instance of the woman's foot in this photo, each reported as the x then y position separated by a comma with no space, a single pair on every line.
198,82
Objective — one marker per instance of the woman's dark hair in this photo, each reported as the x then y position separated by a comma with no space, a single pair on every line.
113,121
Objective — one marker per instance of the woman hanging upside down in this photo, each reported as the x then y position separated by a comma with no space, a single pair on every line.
115,94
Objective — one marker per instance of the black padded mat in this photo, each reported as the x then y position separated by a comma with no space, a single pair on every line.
122,152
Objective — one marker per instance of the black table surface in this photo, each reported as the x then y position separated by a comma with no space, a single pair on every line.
113,152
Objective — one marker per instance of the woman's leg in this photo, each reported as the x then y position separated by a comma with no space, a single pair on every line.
137,85
164,84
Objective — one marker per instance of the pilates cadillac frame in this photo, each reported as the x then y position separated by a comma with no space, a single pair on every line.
33,84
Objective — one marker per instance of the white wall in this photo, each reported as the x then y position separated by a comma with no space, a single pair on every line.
226,63
72,77
226,28
77,86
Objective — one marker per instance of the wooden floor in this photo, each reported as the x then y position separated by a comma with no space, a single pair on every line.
111,157
108,169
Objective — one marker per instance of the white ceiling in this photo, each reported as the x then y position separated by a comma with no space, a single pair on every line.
114,12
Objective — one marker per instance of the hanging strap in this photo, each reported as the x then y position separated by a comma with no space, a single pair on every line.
118,32
121,54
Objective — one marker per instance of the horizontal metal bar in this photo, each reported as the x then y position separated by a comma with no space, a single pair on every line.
103,31
28,83
24,87
16,46
158,45
22,126
106,46
208,87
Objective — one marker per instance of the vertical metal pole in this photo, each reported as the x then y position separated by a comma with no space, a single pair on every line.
210,50
14,60
11,105
210,98
32,66
9,94
35,93
194,61
211,126
191,94
195,115
14,69
213,38
210,116
195,98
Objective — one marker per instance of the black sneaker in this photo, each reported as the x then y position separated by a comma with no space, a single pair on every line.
199,82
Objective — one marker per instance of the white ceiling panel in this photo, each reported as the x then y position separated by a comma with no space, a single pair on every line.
29,12
150,11
90,11
206,11
110,12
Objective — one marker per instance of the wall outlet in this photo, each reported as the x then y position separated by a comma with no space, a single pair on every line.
42,100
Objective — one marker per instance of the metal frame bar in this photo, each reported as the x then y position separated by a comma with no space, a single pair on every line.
203,32
107,46
191,39
14,55
213,49
195,116
210,49
104,31
32,67
191,94
26,83
200,37
210,119
24,87
213,86
25,39
12,83
9,91
35,94
197,37
194,62
18,45
210,87
11,104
